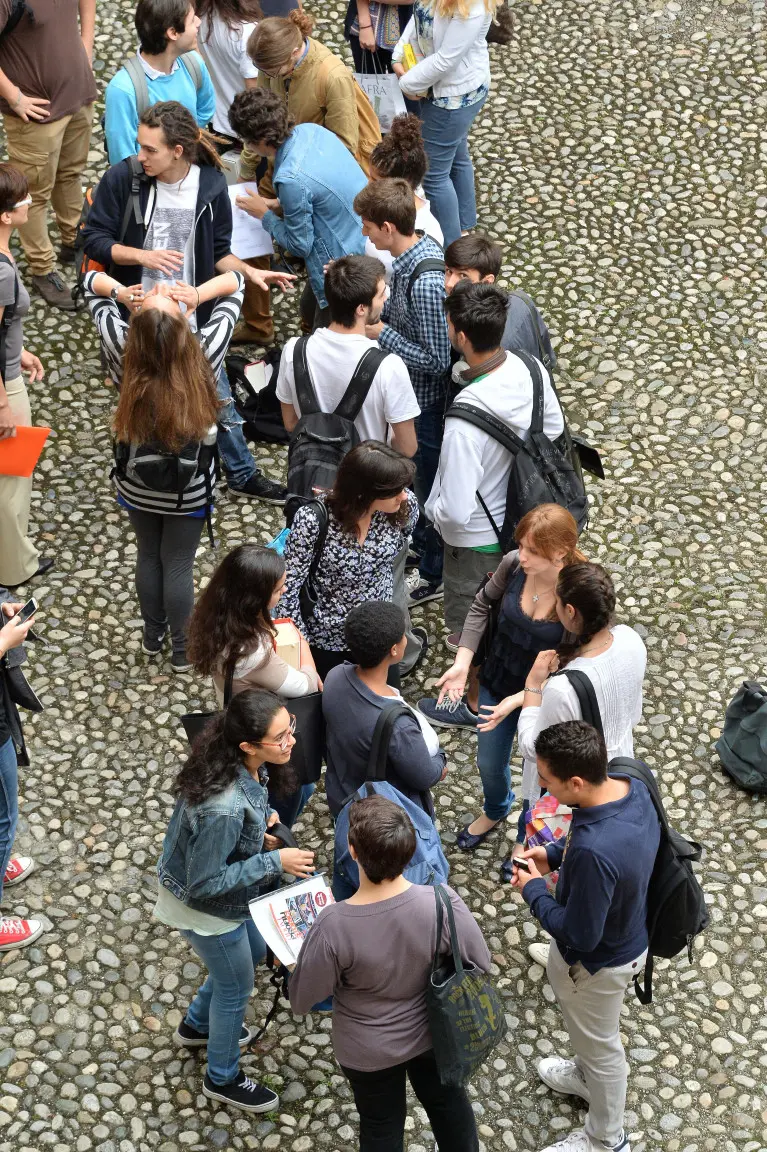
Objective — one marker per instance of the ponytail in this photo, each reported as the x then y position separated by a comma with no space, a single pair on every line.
589,589
275,38
179,127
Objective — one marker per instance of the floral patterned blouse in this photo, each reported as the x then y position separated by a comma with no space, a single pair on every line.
349,573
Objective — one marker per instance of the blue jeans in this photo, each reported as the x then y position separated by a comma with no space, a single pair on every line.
449,180
218,1009
235,455
9,804
493,756
428,430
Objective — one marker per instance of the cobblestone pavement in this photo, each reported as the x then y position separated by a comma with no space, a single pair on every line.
620,159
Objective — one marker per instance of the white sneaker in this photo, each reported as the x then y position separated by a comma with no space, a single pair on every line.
580,1141
18,869
563,1076
16,933
539,953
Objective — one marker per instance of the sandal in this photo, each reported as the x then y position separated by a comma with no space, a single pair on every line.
468,841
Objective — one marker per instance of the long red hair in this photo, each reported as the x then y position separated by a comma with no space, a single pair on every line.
551,530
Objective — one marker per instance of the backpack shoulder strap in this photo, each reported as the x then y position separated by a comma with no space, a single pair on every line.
490,424
587,698
536,423
138,79
133,207
354,397
193,65
636,770
379,746
428,264
320,513
305,393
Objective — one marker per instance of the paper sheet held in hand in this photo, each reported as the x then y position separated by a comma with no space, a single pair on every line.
284,917
248,235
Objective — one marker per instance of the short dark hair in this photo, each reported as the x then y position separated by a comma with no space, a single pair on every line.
382,835
14,186
476,252
573,748
387,202
349,282
260,114
479,311
153,19
372,629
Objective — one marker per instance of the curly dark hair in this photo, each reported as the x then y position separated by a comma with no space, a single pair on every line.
372,629
589,589
371,471
216,755
401,152
231,617
259,114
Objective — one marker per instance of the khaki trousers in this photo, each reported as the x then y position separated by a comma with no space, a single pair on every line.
52,157
256,304
18,556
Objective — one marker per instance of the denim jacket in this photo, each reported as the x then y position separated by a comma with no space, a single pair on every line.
212,856
316,179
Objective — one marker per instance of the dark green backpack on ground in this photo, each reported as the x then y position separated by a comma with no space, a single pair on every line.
742,747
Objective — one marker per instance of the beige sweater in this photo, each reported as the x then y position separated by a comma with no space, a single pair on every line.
265,669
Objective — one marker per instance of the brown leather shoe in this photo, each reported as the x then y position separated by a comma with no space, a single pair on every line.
54,291
244,334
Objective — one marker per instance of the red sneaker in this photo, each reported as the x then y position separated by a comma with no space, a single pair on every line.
18,869
16,933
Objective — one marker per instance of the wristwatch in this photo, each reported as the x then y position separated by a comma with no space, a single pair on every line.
115,293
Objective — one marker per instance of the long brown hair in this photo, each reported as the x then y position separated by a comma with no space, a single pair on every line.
371,471
234,13
179,126
271,44
168,391
590,590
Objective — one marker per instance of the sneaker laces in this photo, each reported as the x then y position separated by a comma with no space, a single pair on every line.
448,705
249,1085
13,869
56,281
10,925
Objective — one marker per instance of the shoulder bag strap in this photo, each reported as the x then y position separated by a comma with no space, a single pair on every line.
437,954
379,746
191,62
536,423
354,397
305,394
323,519
428,264
587,698
228,683
138,80
454,945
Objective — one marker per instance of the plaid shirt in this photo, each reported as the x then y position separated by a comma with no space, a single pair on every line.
417,331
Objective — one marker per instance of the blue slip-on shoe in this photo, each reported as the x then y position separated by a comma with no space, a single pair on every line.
449,713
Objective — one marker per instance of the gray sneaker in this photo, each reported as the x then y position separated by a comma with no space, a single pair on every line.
448,714
54,291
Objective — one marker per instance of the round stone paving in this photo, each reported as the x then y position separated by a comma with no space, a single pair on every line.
620,161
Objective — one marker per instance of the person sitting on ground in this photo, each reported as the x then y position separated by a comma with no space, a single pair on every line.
371,514
478,260
374,953
184,232
167,30
355,694
401,155
168,398
231,634
316,180
472,465
598,920
413,325
218,855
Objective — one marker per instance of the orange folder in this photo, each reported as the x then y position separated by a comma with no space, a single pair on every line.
19,454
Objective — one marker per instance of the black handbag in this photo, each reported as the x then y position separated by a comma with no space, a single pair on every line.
465,1013
195,723
309,750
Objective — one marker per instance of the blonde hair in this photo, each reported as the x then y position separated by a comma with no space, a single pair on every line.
551,530
460,8
272,42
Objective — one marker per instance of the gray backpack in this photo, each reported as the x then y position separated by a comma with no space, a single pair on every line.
742,747
190,60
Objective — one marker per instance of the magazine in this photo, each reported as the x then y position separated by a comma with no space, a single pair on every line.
284,917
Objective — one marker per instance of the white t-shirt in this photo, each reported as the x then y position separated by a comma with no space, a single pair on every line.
425,221
225,51
172,226
332,358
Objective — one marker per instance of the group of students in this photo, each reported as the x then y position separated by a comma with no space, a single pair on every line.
423,489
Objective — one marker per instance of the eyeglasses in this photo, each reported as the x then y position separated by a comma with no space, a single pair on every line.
22,203
284,743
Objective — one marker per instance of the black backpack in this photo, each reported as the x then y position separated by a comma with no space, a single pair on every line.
428,264
676,906
259,409
320,440
742,747
540,471
9,313
153,466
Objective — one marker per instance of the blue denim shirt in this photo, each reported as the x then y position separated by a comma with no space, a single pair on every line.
316,179
212,856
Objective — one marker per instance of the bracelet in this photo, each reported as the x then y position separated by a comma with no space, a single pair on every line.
197,290
18,99
365,25
535,691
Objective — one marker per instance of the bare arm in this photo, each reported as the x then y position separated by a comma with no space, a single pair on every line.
25,107
87,10
289,416
404,437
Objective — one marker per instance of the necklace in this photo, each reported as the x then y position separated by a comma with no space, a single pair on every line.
546,591
595,647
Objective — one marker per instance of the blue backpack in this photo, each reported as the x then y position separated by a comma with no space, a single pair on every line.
428,865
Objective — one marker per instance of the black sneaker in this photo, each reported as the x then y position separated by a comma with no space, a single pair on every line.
179,664
423,592
260,488
152,645
241,1092
188,1037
